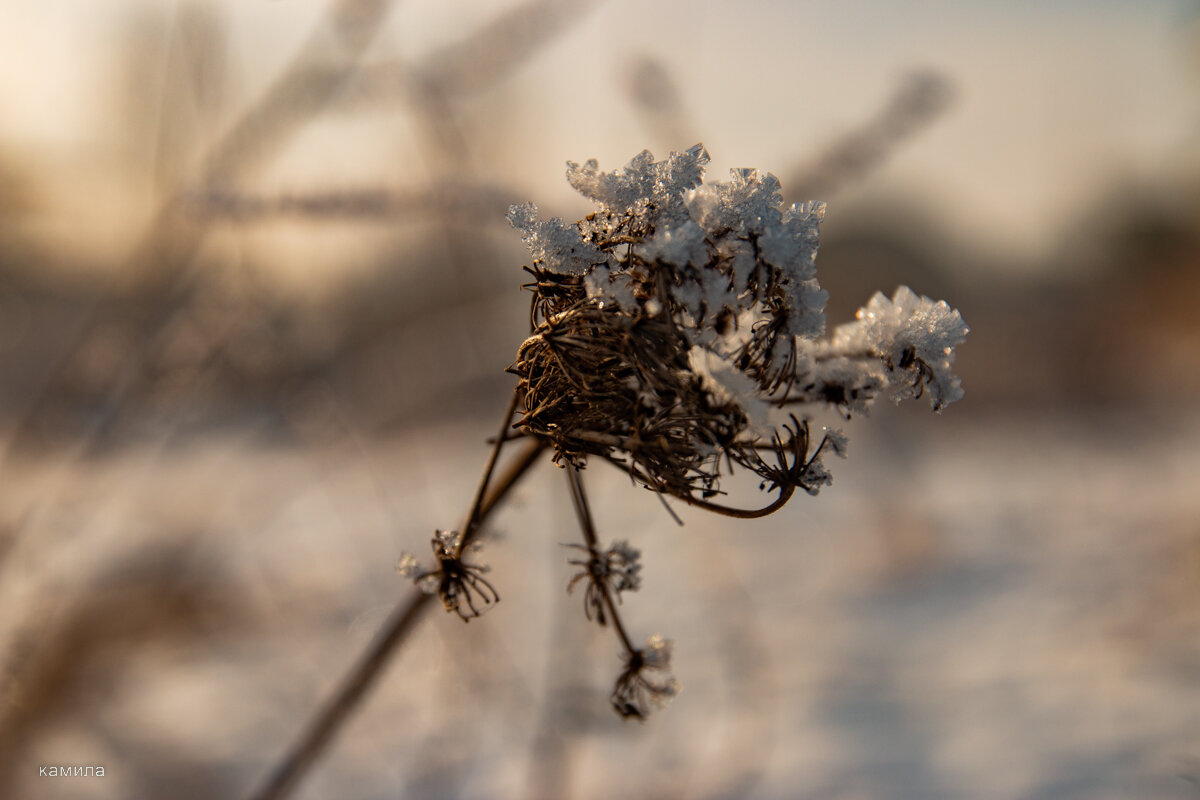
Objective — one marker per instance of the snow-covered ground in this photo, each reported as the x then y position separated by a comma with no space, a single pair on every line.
979,606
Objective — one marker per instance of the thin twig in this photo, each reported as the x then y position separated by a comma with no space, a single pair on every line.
329,720
472,519
921,98
584,513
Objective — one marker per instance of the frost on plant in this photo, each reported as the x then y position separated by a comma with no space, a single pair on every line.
914,338
679,330
679,333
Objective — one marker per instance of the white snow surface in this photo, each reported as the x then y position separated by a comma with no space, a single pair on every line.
982,607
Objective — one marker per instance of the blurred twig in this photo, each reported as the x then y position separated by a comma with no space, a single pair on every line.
657,97
297,94
329,720
454,200
193,91
491,53
921,98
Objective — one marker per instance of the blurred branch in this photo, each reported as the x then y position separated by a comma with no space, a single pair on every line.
495,50
299,92
466,67
161,260
466,200
338,41
656,96
329,720
193,91
922,97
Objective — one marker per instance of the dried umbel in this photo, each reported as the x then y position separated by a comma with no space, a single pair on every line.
678,332
636,688
608,573
459,584
669,325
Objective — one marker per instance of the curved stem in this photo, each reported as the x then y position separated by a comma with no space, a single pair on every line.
785,494
350,692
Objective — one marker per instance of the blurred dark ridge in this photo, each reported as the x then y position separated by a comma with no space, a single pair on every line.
922,97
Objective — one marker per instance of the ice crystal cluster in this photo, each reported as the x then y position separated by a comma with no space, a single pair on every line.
680,330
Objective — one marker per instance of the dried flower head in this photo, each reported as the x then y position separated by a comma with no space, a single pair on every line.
616,569
460,585
669,324
635,690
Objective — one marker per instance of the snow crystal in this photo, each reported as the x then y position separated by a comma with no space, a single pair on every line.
607,288
816,476
915,337
792,245
660,184
553,243
748,203
678,246
408,565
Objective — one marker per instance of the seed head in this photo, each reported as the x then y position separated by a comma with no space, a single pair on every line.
668,325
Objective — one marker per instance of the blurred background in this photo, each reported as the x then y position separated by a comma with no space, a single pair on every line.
257,297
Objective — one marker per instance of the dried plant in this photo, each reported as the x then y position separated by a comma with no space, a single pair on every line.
669,327
677,333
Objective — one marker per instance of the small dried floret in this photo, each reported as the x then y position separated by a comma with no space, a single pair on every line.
459,585
635,691
614,570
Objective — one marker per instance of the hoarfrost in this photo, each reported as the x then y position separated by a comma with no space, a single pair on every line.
746,204
408,565
835,438
816,476
643,184
678,246
728,385
607,288
792,245
553,243
732,275
915,338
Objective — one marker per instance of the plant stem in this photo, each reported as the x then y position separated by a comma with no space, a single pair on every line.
473,518
584,512
330,718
